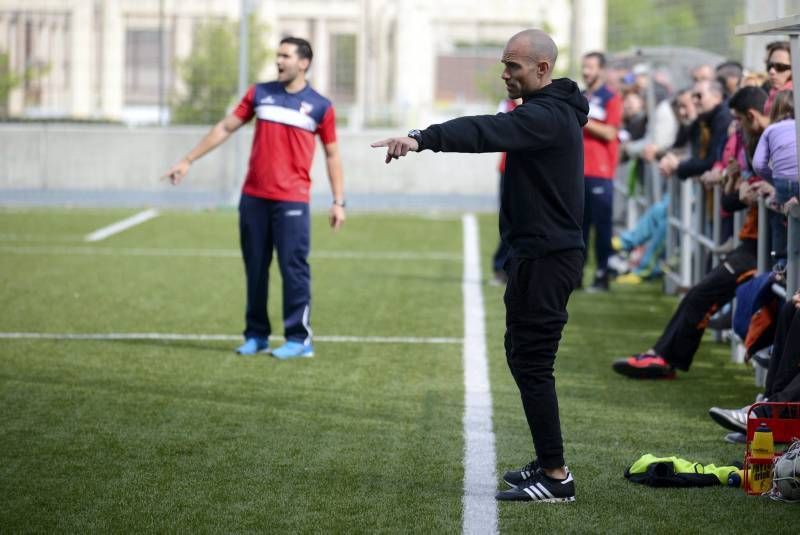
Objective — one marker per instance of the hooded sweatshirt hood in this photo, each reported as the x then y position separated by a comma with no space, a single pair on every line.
567,91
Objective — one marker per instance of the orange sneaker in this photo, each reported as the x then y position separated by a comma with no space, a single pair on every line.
644,366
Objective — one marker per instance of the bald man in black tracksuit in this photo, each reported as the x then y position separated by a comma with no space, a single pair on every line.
541,210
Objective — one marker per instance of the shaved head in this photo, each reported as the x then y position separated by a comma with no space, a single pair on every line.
528,57
539,45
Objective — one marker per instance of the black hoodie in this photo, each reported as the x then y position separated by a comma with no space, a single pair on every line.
541,202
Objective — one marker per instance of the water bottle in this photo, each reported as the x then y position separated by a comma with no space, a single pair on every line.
762,446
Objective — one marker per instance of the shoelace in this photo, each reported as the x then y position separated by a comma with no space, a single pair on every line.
530,467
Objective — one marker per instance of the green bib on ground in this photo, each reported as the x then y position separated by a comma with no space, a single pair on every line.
676,472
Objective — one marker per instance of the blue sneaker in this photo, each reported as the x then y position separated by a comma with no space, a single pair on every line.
251,346
293,350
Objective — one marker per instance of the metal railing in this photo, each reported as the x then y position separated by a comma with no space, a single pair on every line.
693,236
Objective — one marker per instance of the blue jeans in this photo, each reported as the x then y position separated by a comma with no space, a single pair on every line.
785,189
597,212
651,229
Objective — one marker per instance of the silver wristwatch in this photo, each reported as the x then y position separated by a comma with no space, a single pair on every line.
417,136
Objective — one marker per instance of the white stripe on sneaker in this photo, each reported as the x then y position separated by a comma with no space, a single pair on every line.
539,495
544,490
530,493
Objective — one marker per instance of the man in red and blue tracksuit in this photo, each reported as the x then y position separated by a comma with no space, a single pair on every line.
274,206
600,147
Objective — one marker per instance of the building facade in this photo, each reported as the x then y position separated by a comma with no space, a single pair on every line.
382,61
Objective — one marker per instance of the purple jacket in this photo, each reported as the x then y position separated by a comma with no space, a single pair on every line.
776,153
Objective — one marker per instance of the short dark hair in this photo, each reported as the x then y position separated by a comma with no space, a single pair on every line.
601,58
778,45
303,47
748,98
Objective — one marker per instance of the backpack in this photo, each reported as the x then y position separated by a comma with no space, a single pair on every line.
756,310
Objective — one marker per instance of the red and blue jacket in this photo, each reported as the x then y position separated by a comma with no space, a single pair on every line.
284,139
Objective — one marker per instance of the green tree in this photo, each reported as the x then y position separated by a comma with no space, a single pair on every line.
706,25
210,73
8,82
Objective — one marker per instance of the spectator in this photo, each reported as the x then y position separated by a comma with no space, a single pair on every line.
634,117
600,162
681,337
708,134
775,160
702,73
779,70
783,375
651,229
729,75
755,79
639,80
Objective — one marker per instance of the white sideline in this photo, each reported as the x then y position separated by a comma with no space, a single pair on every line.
119,226
223,337
480,479
218,253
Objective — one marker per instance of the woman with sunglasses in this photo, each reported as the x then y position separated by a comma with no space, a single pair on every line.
779,70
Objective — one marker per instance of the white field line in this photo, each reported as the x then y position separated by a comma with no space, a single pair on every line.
17,237
480,479
119,226
223,337
218,253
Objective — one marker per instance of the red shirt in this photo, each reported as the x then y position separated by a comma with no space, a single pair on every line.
506,106
284,139
599,155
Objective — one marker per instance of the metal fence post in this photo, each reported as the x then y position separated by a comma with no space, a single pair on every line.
793,253
686,238
763,236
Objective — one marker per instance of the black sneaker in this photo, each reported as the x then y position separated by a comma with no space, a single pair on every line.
514,477
542,489
600,283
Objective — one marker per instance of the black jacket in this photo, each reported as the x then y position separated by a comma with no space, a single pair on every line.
541,202
706,151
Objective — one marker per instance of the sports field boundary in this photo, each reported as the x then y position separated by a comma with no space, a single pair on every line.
480,476
121,226
168,337
87,250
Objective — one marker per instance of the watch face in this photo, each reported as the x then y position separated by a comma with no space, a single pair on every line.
414,133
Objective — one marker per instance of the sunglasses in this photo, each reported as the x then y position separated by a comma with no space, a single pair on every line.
779,67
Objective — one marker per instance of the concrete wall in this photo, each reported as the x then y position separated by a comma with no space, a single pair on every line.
88,157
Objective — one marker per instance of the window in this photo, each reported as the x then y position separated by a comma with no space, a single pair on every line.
343,67
142,58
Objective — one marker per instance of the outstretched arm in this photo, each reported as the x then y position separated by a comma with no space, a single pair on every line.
525,128
215,137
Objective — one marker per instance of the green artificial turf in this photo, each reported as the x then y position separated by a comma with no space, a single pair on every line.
151,435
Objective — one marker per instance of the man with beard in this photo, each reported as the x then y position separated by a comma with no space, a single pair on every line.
273,211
